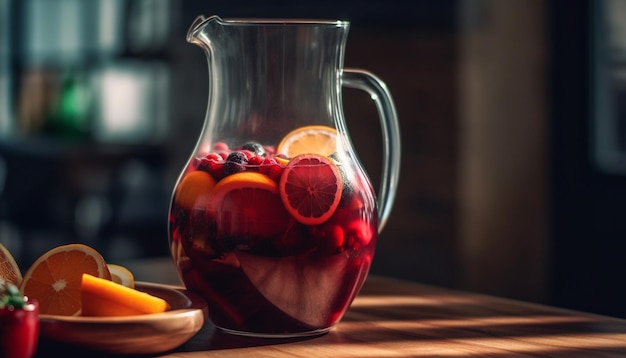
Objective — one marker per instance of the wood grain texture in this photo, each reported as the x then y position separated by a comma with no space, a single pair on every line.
392,318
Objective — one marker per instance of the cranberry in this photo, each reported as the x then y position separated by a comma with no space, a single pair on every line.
359,231
212,164
214,157
255,160
330,237
271,168
247,153
221,146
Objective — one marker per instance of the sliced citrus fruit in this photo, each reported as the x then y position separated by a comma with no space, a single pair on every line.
121,275
247,204
101,297
54,278
9,270
305,289
310,188
309,139
194,188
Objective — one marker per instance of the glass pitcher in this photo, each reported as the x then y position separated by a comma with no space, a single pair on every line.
273,219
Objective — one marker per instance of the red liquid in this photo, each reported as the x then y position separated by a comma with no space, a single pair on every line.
298,279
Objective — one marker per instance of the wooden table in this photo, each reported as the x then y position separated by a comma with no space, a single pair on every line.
395,318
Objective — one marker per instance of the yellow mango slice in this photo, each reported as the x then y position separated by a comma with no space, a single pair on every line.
102,297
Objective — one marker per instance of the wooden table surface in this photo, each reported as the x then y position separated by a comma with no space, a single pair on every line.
395,318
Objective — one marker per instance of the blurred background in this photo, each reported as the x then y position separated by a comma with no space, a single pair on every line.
513,117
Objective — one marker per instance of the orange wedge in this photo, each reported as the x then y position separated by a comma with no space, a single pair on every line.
54,278
247,204
121,275
320,140
9,270
104,298
194,188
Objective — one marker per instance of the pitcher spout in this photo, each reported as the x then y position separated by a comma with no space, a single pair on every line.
197,26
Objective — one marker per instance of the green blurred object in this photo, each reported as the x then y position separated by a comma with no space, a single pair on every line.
72,113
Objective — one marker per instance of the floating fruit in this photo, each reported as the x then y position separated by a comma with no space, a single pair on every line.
213,164
247,204
54,278
254,147
309,139
272,168
310,188
193,188
305,289
235,163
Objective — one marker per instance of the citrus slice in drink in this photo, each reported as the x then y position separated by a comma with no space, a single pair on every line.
121,275
103,298
310,188
306,289
193,189
9,270
309,139
54,278
247,204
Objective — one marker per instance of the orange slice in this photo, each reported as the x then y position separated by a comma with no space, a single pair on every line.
9,270
101,297
310,188
309,139
54,278
121,275
247,204
193,189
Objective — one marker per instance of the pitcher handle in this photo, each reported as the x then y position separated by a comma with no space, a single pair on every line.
368,82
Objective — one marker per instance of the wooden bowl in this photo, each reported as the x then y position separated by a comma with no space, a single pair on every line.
143,334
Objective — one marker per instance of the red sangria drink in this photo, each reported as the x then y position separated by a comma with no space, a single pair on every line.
277,237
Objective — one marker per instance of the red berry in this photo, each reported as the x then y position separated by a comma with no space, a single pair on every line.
271,168
255,160
247,153
214,157
359,231
269,150
220,146
331,237
213,167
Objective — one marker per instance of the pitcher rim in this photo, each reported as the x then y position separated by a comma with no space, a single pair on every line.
283,21
266,21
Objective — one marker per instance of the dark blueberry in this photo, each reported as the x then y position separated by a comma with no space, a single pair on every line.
254,147
235,163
